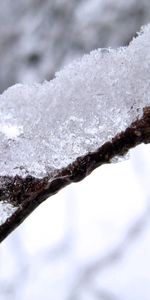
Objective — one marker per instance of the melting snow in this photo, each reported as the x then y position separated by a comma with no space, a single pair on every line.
47,126
6,211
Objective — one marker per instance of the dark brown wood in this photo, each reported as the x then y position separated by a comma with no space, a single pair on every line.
27,193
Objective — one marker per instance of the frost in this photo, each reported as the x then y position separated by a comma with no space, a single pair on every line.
6,211
11,131
47,126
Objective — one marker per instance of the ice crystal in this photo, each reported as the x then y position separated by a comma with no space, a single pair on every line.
47,126
6,211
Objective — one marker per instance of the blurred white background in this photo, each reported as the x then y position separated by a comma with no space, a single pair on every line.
91,240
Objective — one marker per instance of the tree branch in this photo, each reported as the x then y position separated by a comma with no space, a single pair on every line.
27,193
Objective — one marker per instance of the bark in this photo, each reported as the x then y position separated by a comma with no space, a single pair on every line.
27,193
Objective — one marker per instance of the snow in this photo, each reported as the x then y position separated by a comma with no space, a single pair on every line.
88,103
94,225
10,131
6,211
34,265
67,29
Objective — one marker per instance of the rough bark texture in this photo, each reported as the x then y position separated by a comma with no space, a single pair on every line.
27,193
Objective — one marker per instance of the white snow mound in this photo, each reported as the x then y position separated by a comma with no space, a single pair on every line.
47,126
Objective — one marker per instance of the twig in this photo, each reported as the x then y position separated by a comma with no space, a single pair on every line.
27,193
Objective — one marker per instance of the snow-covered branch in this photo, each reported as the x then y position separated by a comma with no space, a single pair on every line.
55,133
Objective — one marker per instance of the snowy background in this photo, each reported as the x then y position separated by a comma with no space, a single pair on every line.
91,240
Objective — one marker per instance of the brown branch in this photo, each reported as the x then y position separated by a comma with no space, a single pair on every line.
27,193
